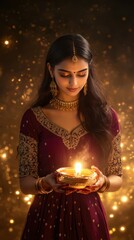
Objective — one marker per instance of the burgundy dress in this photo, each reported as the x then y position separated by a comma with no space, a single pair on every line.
45,147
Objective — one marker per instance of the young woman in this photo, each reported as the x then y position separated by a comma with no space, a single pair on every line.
70,121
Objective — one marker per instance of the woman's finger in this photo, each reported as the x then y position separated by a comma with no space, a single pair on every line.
96,170
70,191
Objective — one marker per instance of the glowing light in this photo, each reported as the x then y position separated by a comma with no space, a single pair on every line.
6,42
115,207
26,95
124,18
30,196
2,108
6,148
124,158
112,231
17,192
122,228
26,199
111,215
124,199
4,155
10,229
122,145
11,151
127,167
11,221
78,167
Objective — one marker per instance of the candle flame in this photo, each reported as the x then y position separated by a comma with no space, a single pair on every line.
78,168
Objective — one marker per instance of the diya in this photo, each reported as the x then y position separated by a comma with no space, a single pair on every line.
77,177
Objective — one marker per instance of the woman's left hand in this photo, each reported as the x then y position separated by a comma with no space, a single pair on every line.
95,187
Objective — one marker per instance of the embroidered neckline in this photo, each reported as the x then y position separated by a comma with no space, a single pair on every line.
70,139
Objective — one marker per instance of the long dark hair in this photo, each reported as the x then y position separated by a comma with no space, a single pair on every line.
93,107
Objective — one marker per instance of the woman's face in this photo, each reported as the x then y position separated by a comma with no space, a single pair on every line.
70,77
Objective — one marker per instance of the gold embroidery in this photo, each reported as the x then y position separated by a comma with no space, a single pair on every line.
28,162
70,140
114,162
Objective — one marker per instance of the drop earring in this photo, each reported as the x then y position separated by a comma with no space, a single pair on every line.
53,88
85,89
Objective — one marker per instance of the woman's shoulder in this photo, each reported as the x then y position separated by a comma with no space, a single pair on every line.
29,116
29,113
29,125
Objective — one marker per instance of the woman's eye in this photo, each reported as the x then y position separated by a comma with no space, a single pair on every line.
68,76
81,75
65,76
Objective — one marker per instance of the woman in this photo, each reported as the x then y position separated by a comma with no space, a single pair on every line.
70,120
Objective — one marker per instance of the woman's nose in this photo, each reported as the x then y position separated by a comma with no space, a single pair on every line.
73,81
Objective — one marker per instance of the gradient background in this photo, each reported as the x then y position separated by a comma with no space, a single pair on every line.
26,30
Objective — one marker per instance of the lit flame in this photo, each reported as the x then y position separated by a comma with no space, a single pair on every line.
78,168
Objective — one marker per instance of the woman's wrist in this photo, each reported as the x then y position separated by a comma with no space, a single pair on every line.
42,187
105,186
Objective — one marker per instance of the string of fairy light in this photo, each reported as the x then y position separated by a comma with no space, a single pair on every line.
115,202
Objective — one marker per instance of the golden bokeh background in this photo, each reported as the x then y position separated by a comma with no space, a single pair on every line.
27,29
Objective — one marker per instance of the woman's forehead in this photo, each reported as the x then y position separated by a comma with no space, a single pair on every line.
69,65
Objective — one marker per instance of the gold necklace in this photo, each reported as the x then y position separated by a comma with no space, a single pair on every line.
64,106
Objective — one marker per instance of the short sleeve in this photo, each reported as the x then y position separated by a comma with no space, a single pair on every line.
114,164
28,145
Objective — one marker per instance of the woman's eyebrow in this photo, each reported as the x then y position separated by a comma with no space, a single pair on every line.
63,70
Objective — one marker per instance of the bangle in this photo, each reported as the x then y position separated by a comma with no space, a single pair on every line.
105,186
40,186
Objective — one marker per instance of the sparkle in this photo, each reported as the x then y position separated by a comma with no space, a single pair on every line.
122,228
10,229
4,155
17,192
26,199
115,207
11,221
6,42
124,199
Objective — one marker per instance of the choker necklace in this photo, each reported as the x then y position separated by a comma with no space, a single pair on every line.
64,106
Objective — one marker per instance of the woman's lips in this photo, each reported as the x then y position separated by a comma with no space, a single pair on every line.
72,89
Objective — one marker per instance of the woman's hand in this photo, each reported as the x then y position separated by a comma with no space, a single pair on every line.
95,187
50,179
69,190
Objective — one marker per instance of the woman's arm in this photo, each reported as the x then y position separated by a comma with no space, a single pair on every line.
104,184
115,183
29,184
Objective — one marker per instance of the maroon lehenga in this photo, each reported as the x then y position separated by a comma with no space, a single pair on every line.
45,147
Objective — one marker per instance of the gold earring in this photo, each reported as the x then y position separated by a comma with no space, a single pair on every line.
53,88
85,89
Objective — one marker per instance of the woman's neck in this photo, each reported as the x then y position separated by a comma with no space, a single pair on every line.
67,98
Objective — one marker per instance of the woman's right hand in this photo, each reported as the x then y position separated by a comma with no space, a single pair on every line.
50,179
